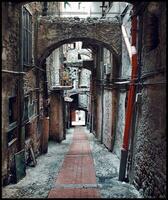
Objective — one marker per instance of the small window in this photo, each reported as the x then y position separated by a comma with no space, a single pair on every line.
152,33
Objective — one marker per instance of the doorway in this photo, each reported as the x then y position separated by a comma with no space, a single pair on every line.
79,118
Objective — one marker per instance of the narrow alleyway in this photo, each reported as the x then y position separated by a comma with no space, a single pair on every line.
83,99
78,167
77,178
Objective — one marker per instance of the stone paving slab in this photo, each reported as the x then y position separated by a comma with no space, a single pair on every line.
74,193
75,186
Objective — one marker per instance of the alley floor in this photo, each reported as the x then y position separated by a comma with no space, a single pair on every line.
79,167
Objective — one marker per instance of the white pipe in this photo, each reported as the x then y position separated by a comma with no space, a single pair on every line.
127,42
13,72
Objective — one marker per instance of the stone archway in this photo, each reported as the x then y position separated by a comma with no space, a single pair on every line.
54,32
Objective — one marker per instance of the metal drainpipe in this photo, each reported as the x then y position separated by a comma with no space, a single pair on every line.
131,93
21,90
45,92
138,90
102,90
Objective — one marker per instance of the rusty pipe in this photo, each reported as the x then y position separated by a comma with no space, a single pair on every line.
131,94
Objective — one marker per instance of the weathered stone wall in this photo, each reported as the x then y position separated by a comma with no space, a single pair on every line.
149,160
34,89
53,69
98,61
49,66
10,36
107,101
107,118
84,81
51,29
125,73
83,101
85,77
56,117
53,8
10,61
99,113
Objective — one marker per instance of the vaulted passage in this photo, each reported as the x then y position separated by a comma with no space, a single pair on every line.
90,30
83,99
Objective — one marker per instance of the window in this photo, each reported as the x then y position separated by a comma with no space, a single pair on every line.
12,109
27,37
152,33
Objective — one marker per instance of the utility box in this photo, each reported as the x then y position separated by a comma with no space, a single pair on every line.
20,165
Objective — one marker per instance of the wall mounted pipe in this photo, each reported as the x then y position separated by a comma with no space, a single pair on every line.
127,42
131,94
20,92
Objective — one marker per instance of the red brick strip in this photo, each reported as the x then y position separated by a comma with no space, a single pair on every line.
76,178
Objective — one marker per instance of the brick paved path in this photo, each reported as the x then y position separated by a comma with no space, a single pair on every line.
76,179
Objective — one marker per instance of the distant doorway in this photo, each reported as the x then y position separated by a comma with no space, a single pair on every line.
79,118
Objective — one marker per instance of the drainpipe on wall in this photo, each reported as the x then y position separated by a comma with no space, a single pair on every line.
102,90
20,89
45,120
131,93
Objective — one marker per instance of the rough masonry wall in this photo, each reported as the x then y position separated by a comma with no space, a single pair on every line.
53,69
107,119
84,81
56,116
99,92
149,169
125,73
34,89
51,29
10,61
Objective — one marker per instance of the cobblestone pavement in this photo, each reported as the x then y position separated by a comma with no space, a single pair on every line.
50,174
107,171
40,179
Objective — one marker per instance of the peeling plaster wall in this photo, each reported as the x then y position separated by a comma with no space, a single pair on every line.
125,73
85,77
84,81
107,119
56,116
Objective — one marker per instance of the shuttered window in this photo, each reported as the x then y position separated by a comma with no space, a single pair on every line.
27,37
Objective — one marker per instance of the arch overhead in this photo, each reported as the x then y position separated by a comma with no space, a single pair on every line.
54,32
